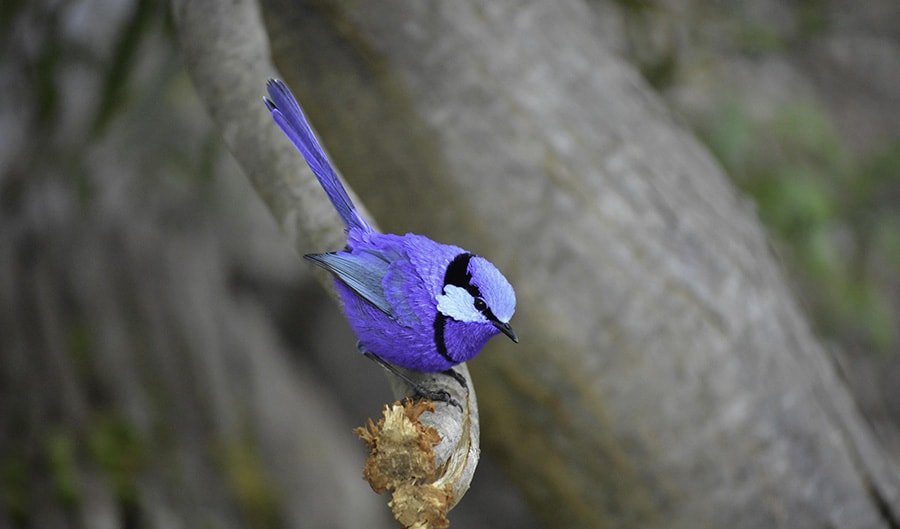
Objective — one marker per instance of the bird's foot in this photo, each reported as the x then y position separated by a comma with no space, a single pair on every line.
457,377
435,396
419,391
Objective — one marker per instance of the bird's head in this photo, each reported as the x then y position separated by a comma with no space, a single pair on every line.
476,292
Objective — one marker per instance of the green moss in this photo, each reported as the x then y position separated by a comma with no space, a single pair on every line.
812,18
13,487
731,138
796,203
758,39
117,449
660,71
60,452
827,208
249,482
886,237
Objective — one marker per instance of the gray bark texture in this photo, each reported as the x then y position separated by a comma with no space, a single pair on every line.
228,57
665,376
840,60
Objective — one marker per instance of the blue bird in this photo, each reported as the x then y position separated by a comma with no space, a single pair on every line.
412,302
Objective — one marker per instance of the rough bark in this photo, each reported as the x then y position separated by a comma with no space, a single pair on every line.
665,377
765,59
227,54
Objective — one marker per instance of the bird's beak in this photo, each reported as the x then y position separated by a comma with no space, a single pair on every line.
507,330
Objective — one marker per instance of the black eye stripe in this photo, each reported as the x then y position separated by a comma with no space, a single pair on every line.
457,274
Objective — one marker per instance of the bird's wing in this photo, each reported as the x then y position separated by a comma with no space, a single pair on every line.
405,291
361,272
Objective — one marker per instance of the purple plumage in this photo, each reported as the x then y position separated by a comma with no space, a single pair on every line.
412,302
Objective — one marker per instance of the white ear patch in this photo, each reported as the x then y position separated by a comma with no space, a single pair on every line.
459,305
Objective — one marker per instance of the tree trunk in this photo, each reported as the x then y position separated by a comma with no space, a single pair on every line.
665,376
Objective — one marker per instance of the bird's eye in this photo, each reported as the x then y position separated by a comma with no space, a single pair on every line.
480,304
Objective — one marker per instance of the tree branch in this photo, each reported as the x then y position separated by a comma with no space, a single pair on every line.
227,53
665,375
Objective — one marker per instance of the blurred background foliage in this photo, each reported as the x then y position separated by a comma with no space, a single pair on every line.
832,212
800,103
745,77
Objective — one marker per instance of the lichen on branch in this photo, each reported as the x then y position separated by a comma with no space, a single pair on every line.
402,460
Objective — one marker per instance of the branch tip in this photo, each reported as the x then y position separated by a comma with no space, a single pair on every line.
401,460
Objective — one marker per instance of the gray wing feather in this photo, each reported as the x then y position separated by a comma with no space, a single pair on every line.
362,273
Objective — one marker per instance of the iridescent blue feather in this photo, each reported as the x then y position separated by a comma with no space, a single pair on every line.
411,301
287,114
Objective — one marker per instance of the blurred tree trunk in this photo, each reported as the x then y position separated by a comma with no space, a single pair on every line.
808,93
143,382
665,376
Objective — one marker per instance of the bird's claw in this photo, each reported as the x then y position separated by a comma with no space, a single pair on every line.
436,396
419,392
457,377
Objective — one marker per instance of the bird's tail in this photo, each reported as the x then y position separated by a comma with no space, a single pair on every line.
287,114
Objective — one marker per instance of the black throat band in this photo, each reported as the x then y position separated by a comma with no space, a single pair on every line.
457,274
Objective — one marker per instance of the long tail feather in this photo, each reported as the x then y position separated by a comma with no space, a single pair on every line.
287,114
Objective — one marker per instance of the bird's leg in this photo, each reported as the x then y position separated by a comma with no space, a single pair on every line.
439,395
457,377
